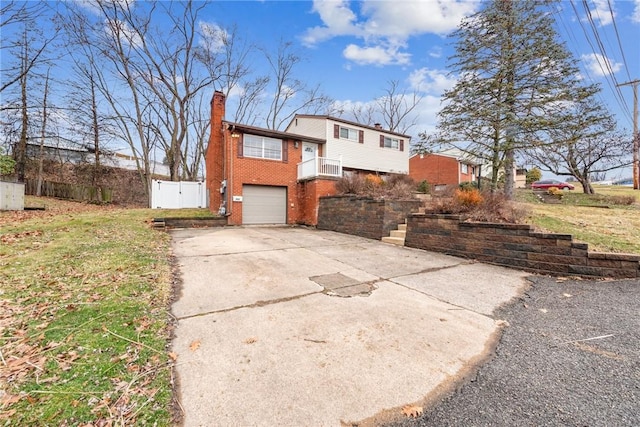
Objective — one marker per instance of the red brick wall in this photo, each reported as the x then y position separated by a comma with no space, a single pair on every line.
247,170
438,170
214,158
309,193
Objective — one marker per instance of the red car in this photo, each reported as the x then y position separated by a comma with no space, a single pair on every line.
548,183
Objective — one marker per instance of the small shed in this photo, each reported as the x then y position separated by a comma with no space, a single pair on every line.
11,196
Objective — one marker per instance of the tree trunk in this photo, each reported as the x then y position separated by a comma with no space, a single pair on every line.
42,137
21,149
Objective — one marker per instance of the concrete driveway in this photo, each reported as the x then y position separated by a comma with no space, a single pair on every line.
291,326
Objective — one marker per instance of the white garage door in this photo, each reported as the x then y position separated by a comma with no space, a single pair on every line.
264,205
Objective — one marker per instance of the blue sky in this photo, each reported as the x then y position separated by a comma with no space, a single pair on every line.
353,48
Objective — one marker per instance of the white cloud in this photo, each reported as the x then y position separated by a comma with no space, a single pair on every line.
636,12
433,82
599,65
212,36
338,20
402,19
601,13
124,32
435,52
375,55
385,26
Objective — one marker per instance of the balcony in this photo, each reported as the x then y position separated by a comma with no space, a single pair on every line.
320,167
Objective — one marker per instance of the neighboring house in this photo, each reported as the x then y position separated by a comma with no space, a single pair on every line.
521,178
453,167
442,169
65,151
263,176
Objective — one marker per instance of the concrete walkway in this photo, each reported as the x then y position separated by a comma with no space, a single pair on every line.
299,327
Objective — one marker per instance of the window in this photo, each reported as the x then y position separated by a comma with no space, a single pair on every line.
262,147
348,133
391,143
465,168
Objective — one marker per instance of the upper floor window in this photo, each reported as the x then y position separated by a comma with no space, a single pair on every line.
391,143
348,133
262,147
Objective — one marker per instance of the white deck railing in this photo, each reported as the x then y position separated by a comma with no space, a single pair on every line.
320,167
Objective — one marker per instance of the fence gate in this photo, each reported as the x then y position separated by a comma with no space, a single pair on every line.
178,195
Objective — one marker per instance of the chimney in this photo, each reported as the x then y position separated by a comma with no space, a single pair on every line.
377,126
217,109
215,155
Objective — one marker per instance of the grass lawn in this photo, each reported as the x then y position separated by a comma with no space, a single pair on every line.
594,219
84,297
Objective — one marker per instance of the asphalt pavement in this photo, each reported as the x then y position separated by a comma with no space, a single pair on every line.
570,357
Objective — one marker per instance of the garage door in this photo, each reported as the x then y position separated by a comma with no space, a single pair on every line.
264,205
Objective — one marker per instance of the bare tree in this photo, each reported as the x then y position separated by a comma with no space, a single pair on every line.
28,47
43,134
26,15
585,146
396,107
287,87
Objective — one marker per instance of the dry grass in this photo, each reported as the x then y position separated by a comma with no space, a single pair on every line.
605,226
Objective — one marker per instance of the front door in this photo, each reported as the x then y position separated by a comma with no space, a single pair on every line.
309,151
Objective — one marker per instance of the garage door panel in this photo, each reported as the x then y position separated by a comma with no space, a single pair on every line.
264,204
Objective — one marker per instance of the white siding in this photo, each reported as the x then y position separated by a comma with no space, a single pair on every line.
309,126
367,156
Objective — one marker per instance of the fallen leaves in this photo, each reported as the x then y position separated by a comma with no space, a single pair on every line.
412,411
194,345
65,276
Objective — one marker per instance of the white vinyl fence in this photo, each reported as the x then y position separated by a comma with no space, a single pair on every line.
178,195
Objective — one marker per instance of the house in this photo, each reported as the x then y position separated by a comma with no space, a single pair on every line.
263,176
449,167
65,151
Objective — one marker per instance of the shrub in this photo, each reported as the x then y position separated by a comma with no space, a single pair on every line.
350,184
468,198
467,186
495,207
395,186
533,175
476,206
423,187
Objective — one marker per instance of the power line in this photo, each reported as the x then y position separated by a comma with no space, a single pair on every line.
608,76
615,29
605,56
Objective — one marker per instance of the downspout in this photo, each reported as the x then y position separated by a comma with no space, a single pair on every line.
224,184
230,172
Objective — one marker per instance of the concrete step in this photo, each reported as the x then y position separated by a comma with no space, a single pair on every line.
402,227
398,233
394,240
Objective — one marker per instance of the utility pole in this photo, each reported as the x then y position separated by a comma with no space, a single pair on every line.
636,137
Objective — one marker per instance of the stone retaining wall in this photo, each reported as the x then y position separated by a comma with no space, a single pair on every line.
363,216
517,246
191,222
